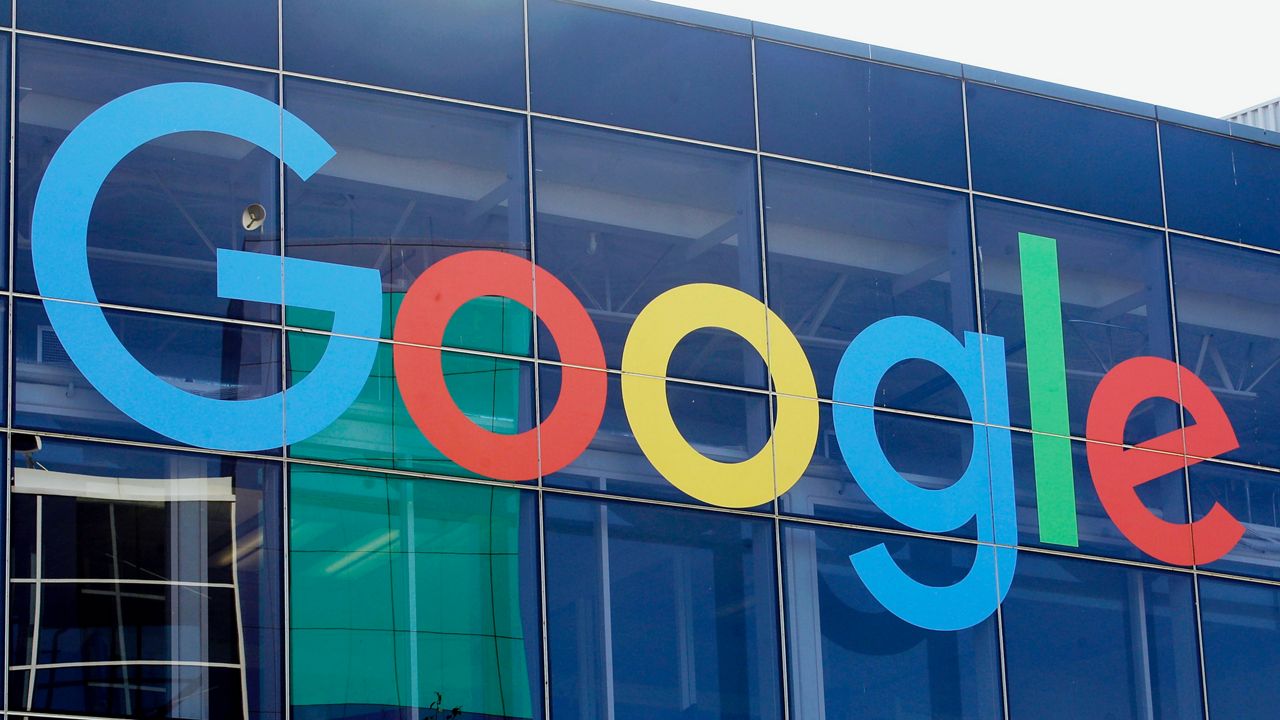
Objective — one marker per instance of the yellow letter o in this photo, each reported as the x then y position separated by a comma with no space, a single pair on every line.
653,337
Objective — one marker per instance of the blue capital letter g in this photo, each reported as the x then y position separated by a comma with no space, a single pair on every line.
59,249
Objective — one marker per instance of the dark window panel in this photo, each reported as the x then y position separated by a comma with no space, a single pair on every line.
846,250
674,609
242,31
1034,148
834,109
5,40
837,630
1227,301
413,182
729,426
1114,304
640,73
98,623
1222,187
1241,624
224,361
1121,641
622,219
148,544
467,49
167,208
162,691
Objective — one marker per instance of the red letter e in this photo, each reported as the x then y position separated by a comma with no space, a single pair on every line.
1118,471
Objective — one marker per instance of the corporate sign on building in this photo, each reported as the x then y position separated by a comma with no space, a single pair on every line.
984,494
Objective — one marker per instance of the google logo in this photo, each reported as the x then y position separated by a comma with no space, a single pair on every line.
983,494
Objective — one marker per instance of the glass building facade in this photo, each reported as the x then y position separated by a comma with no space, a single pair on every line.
384,567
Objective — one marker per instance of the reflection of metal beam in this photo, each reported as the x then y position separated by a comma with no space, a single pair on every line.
45,482
482,206
828,301
1111,311
195,227
1221,366
922,275
713,238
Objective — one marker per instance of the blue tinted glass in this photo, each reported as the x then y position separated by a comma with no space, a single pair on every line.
216,360
1165,497
1241,625
1220,186
410,596
242,31
664,612
622,219
845,251
1253,498
728,426
640,73
469,49
1227,301
1062,154
1115,303
125,561
835,109
836,632
4,363
412,182
5,40
167,208
929,453
1085,639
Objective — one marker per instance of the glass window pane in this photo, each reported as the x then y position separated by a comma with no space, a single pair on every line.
1241,625
408,592
1227,301
242,31
662,611
837,631
845,251
1085,639
5,40
497,394
928,453
168,207
468,49
99,623
1223,187
413,182
1253,498
1062,154
844,111
641,73
216,360
159,691
146,556
1114,304
622,219
1165,497
728,426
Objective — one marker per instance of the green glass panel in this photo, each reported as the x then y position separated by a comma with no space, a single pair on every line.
345,666
335,510
418,579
